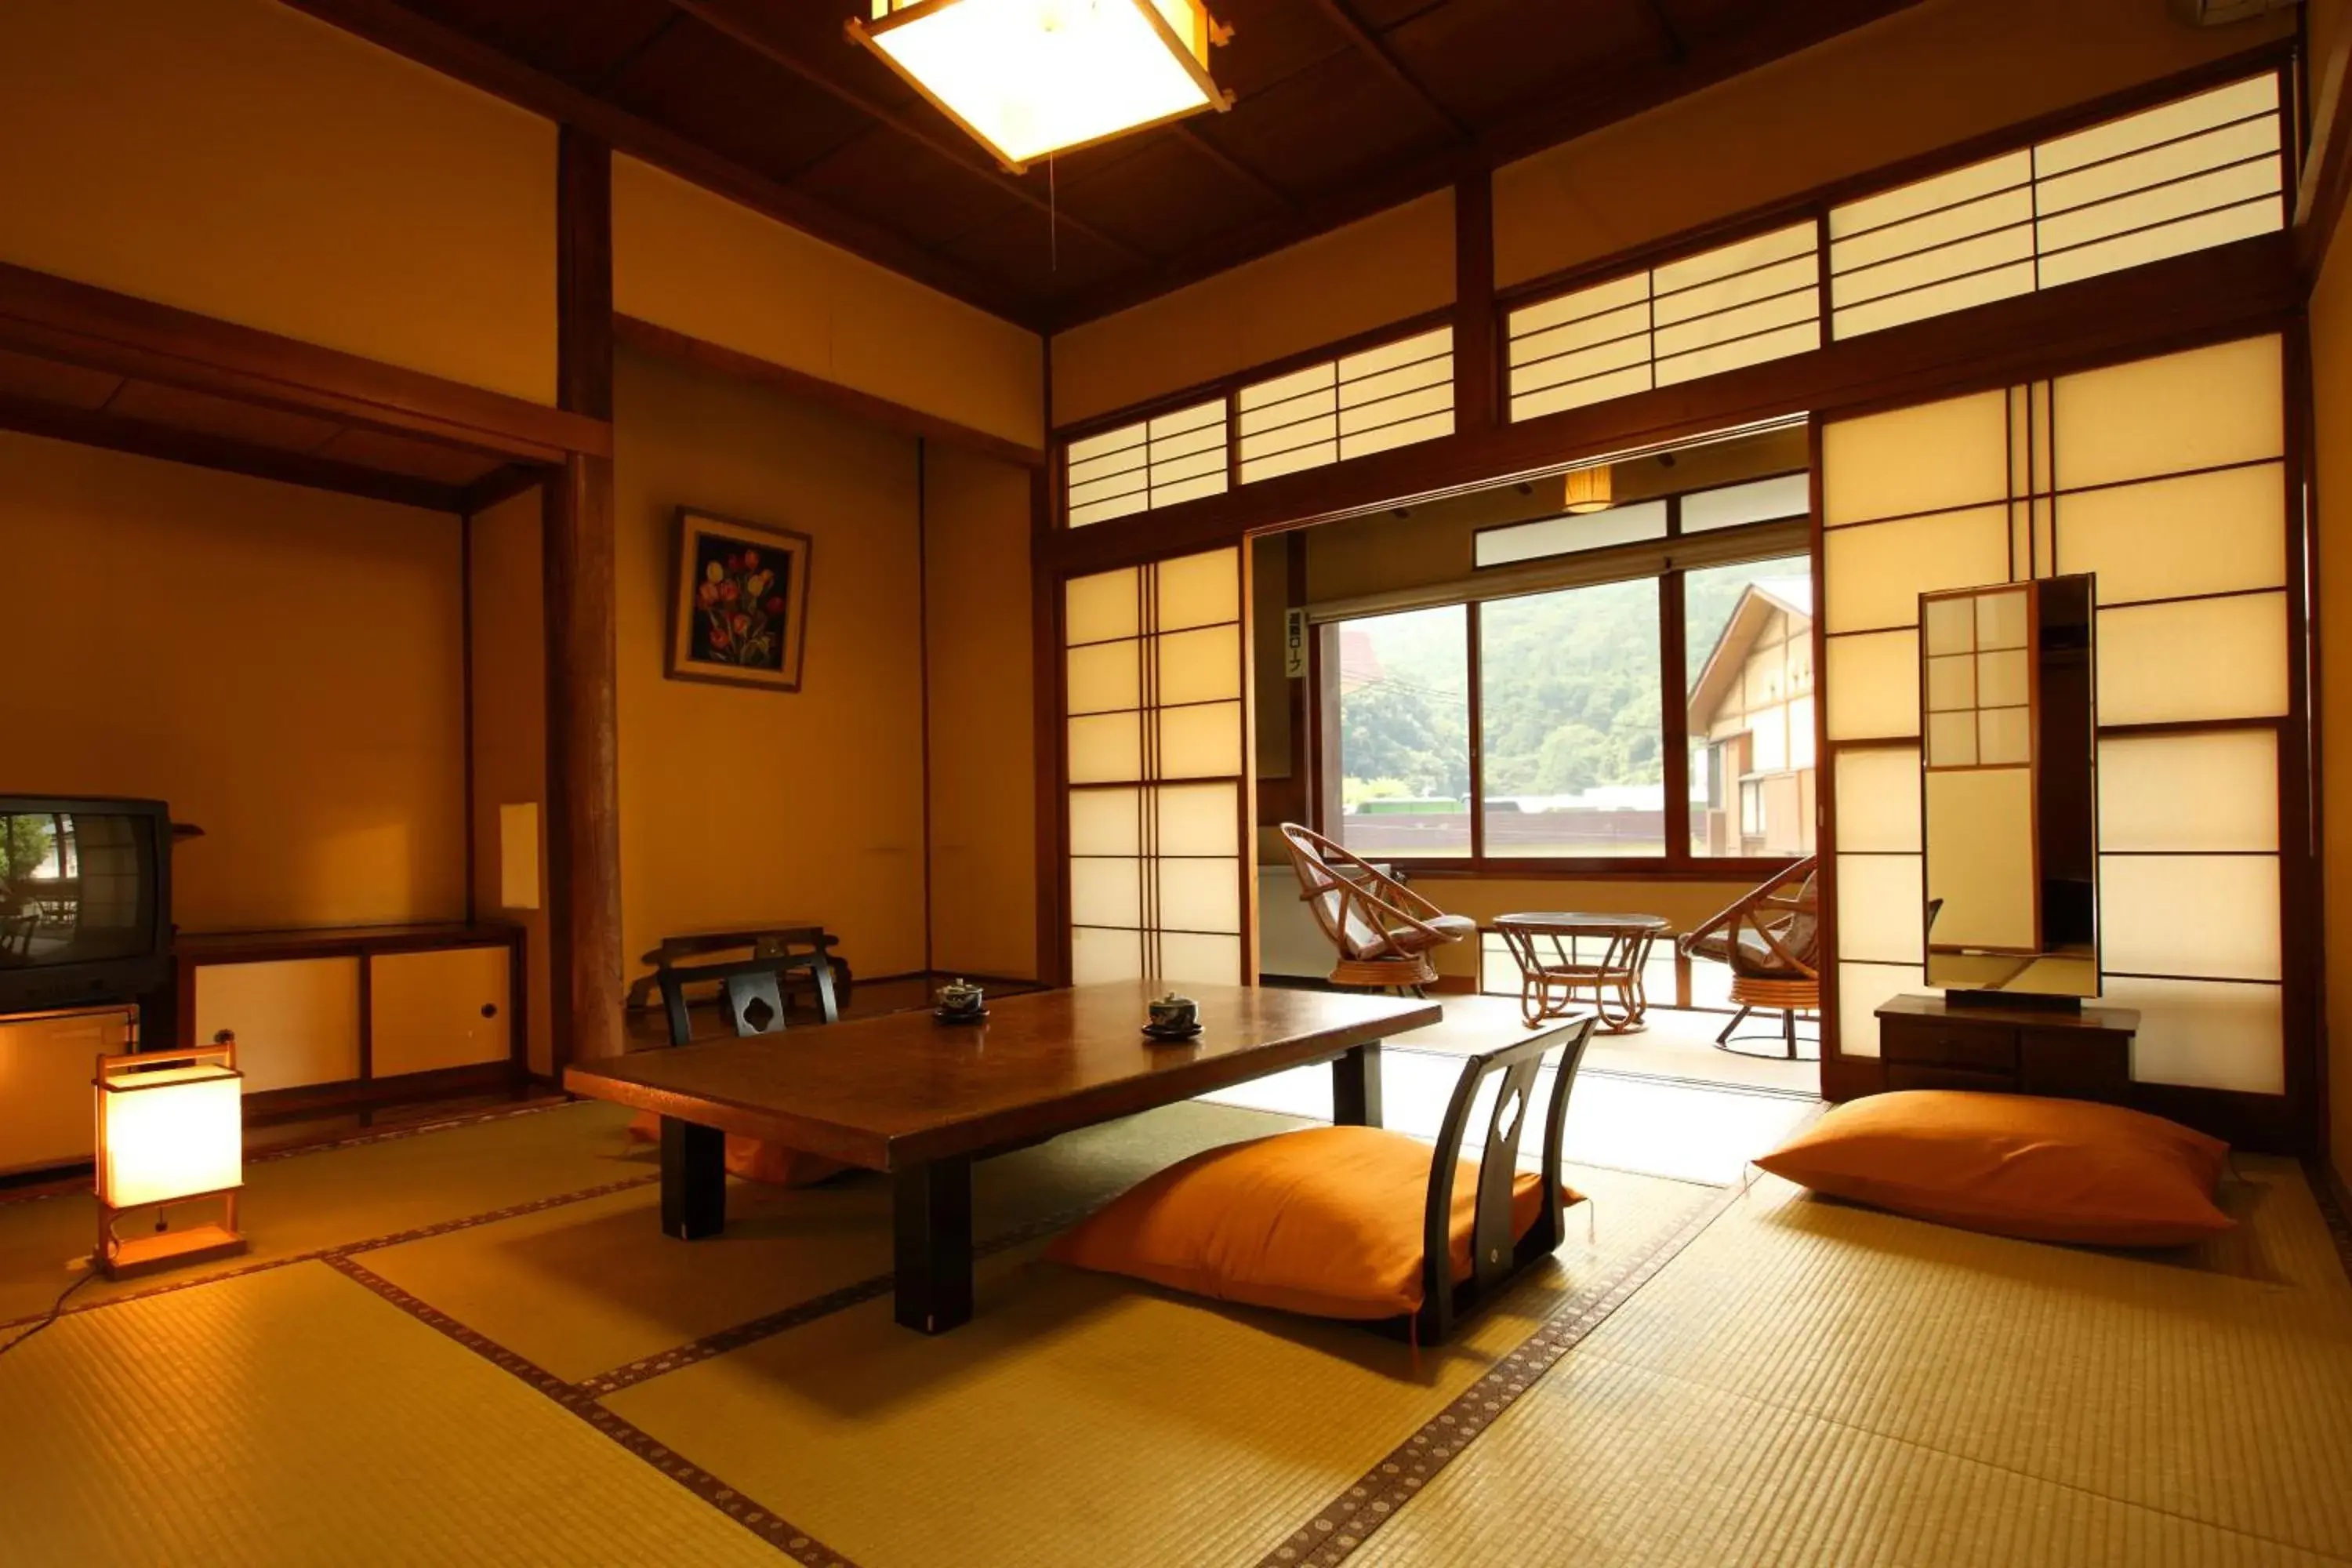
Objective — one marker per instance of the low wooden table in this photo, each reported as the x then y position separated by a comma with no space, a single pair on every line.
1553,971
921,1101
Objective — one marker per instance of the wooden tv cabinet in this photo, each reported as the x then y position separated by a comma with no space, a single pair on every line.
1926,1042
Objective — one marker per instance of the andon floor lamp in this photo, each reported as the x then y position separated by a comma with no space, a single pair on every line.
170,1129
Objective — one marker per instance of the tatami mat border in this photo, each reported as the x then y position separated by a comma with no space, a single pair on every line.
1349,1519
662,1362
776,1532
371,1244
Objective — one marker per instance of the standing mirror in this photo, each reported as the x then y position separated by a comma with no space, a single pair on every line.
2009,795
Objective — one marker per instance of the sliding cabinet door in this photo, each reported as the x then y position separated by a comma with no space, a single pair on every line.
1156,684
2167,480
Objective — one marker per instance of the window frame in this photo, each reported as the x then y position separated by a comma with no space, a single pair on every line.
1635,563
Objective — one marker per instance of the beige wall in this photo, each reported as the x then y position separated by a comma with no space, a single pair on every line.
742,806
1393,265
1924,79
509,675
983,766
699,264
2331,365
238,158
280,664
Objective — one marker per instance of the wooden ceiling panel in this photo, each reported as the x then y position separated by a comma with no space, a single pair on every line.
883,177
1341,104
733,101
1331,125
46,381
1486,59
583,44
1161,198
208,415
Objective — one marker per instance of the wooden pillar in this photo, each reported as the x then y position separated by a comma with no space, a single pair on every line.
583,831
1477,377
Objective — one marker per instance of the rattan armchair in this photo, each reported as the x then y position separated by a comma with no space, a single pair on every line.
1383,931
1770,939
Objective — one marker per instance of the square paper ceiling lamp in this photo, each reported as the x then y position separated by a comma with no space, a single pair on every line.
170,1129
1026,78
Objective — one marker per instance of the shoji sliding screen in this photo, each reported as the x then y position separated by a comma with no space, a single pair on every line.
1160,874
2166,479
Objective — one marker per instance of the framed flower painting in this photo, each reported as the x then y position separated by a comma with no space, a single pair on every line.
739,603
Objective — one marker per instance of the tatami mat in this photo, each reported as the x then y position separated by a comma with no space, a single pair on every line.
306,1202
1815,1382
593,1286
1084,1420
292,1417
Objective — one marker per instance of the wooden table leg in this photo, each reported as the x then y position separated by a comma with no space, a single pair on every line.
930,1214
693,1180
1356,1088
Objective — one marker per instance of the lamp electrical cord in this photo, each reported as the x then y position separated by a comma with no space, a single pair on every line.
56,1311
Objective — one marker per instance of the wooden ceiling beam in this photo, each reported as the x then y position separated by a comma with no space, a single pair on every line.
390,26
1372,48
761,40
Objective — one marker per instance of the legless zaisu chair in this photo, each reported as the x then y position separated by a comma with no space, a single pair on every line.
1383,929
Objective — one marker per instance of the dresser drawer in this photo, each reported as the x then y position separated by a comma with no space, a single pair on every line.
2077,1064
1933,1043
1906,1075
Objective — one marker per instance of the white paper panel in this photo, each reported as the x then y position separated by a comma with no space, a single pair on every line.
2213,916
1762,501
2003,680
1097,955
1977,183
1200,895
1951,677
1106,748
2168,414
2202,658
1106,822
1614,295
1936,299
1105,677
1862,990
1202,665
2204,534
1952,739
1881,916
1878,799
2218,791
1871,686
2004,736
2212,1036
1566,535
1105,892
1100,608
1186,959
1950,625
1877,574
1937,456
1199,819
2139,248
1199,590
1200,742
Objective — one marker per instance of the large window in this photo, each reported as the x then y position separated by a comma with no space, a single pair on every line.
1665,717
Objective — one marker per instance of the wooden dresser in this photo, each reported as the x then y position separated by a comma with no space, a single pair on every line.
1926,1042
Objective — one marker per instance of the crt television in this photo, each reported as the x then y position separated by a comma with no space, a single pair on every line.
85,901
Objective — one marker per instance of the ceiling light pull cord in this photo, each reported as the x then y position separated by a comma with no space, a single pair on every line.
1053,216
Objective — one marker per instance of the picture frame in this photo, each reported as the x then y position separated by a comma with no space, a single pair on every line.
738,601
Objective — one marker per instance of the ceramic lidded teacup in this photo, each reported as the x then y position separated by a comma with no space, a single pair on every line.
961,996
1173,1013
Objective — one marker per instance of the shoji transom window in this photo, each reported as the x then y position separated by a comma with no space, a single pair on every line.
1160,874
1151,463
2196,173
2166,481
1735,305
1350,407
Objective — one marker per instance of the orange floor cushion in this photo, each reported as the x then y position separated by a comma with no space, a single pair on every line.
755,1159
1326,1221
2045,1169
